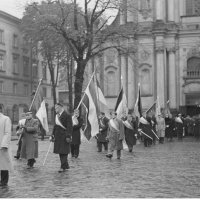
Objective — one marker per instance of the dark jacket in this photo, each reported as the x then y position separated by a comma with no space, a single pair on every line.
103,133
76,135
61,146
146,128
130,134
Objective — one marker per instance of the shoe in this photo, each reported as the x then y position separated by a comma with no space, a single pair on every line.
75,156
29,167
3,184
118,158
61,170
130,150
98,151
109,156
17,157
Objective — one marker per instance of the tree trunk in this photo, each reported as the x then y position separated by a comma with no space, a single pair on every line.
78,85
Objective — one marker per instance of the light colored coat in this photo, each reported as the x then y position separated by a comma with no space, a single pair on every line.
30,140
160,127
5,141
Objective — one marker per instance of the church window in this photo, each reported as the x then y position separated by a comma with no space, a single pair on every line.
111,83
145,81
192,7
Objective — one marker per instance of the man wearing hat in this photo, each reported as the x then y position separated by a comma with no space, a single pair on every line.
103,128
30,140
61,135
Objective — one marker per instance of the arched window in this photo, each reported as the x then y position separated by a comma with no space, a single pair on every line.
193,63
192,7
145,82
111,86
15,114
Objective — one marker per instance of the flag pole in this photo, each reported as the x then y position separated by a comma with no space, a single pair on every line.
151,106
85,90
35,94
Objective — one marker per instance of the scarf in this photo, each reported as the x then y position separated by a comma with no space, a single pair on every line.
58,122
113,126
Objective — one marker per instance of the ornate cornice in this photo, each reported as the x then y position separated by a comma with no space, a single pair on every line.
171,49
160,49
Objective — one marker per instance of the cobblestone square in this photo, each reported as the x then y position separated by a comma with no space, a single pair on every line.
166,170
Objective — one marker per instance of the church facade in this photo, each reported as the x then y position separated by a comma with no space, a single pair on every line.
166,61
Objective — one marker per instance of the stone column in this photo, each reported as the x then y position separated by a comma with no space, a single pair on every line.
170,10
172,78
161,91
122,12
159,10
130,11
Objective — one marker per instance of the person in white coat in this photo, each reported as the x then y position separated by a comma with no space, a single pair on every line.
5,151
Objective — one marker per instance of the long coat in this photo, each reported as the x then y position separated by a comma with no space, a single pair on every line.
103,133
130,134
115,138
179,126
61,146
5,141
168,130
153,126
29,148
76,135
161,127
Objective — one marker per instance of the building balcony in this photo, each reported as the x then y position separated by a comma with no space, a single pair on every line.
191,74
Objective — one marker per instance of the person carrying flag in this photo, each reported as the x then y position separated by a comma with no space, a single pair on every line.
103,128
115,135
130,129
179,126
145,129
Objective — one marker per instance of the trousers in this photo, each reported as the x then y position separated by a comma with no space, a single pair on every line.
64,161
105,144
4,176
75,150
118,153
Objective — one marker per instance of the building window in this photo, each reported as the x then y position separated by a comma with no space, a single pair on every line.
15,112
1,86
192,7
35,70
26,67
1,36
1,61
111,83
14,88
15,65
145,82
26,89
15,40
44,71
44,92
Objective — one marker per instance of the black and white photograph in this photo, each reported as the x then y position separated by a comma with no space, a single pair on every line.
99,99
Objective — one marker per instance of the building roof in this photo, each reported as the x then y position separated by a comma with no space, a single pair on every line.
9,17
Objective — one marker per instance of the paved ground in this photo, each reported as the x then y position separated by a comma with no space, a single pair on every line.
165,170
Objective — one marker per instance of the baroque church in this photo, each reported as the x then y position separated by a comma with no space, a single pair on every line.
168,56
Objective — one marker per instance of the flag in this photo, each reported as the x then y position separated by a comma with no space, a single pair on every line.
152,109
166,109
121,104
90,103
103,107
41,111
138,104
158,109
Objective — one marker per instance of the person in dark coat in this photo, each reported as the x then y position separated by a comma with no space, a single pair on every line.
130,130
197,127
145,127
29,148
179,126
76,134
153,124
103,128
168,127
61,135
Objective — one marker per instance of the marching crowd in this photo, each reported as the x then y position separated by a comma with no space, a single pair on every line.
114,134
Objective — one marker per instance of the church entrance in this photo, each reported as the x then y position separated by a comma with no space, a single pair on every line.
193,104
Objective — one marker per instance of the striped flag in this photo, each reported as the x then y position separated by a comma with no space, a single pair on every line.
90,103
41,110
166,109
103,107
152,108
138,104
158,109
121,105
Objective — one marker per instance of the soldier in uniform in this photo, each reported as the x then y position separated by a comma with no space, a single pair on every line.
103,128
61,135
